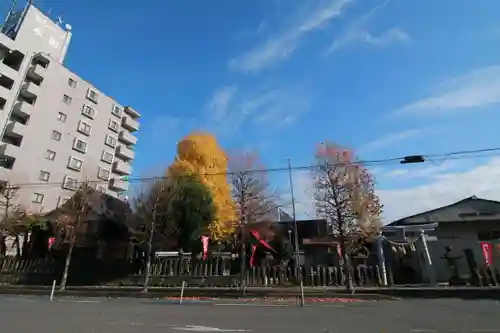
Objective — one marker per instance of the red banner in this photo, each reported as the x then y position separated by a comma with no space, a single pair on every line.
51,241
256,235
487,251
254,248
204,242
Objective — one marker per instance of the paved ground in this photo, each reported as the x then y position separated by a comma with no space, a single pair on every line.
73,315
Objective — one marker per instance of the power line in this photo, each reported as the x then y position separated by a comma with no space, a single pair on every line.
457,155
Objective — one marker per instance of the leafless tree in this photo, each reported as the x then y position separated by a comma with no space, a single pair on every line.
71,218
256,203
345,197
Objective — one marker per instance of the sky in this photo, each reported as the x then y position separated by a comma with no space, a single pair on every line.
385,78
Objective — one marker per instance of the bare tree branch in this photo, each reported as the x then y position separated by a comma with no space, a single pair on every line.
255,203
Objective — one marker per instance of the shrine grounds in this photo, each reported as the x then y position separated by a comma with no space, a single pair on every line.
77,314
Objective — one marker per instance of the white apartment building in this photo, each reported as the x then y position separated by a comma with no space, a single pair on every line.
56,128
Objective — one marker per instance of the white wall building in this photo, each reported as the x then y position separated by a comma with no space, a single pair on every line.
56,128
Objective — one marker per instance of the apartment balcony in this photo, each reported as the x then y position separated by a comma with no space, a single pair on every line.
30,90
122,168
131,112
4,93
15,129
9,150
118,185
130,124
22,109
124,152
36,73
5,173
8,71
127,137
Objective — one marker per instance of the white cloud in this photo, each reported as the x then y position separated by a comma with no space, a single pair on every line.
352,36
445,189
443,186
434,171
221,101
390,139
357,32
281,46
231,108
304,195
475,89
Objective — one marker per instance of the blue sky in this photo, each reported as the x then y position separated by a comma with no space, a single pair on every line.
386,78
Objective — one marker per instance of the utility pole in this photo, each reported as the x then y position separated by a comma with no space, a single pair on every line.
150,242
243,254
295,230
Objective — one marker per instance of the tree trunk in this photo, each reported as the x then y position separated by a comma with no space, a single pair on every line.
3,245
243,263
347,264
26,244
18,247
66,265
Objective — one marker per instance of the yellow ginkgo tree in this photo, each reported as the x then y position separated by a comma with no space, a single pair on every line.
199,153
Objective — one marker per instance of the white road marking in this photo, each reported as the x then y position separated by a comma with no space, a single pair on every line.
249,304
422,330
196,328
78,301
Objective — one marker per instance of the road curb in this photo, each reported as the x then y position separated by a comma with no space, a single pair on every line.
363,294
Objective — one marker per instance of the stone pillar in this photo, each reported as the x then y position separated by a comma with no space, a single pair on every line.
381,258
428,260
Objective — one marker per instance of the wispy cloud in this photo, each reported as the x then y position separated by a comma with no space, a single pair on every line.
282,45
231,108
475,89
219,105
357,32
391,139
433,171
449,187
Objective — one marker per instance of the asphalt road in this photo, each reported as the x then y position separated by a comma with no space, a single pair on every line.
74,315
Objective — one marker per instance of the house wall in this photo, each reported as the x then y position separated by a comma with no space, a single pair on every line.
460,236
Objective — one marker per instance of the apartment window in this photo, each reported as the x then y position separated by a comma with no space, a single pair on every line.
56,135
62,201
80,145
44,176
101,188
75,163
88,111
70,183
92,95
103,173
50,155
71,83
110,141
62,117
67,100
37,198
114,125
84,128
107,157
117,110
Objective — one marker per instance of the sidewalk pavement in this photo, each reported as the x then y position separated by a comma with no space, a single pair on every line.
372,293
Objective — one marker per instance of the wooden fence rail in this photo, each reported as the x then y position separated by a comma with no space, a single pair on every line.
169,272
